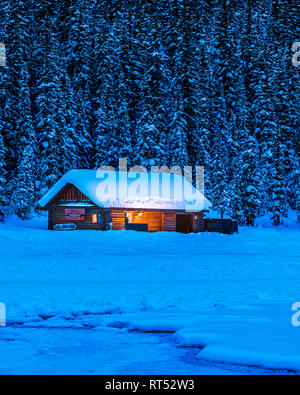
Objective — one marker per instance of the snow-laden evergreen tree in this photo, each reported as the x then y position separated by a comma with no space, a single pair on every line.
286,29
3,193
250,180
220,187
186,72
107,75
23,183
200,138
79,56
152,123
133,41
185,43
18,110
18,41
297,188
218,190
241,130
279,207
228,55
125,146
48,97
23,196
178,138
5,98
264,128
68,154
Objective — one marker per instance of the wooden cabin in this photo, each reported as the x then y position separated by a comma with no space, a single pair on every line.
116,201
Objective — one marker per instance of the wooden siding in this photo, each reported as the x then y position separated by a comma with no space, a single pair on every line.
198,224
201,222
57,215
169,222
118,220
70,194
155,221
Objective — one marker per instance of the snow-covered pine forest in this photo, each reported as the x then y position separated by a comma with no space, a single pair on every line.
161,82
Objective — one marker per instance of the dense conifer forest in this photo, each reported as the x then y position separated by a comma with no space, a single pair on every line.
160,82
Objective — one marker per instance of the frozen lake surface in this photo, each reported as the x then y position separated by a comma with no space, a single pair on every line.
103,351
77,302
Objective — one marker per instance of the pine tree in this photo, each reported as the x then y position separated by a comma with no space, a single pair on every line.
23,183
297,188
3,193
17,80
178,140
219,182
18,109
279,207
79,54
201,134
24,193
4,114
125,146
48,97
250,180
152,123
107,71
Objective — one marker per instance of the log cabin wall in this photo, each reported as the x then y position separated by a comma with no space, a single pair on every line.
57,215
169,222
201,222
157,221
70,194
118,220
198,223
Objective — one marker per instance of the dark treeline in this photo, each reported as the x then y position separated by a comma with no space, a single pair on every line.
160,82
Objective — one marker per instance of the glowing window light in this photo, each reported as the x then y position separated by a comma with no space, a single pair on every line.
130,217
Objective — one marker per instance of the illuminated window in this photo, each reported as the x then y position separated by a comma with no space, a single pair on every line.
94,219
130,217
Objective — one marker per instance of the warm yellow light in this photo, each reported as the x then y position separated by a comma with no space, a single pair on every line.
94,218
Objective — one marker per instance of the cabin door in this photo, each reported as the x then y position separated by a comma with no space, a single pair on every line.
184,223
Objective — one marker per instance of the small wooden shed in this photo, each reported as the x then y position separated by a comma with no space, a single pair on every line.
99,200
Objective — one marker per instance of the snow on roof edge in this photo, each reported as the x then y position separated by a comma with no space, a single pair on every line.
87,181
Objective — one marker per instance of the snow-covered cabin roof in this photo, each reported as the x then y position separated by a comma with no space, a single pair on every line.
122,190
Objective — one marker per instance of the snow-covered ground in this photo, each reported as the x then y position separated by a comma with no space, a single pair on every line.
75,299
